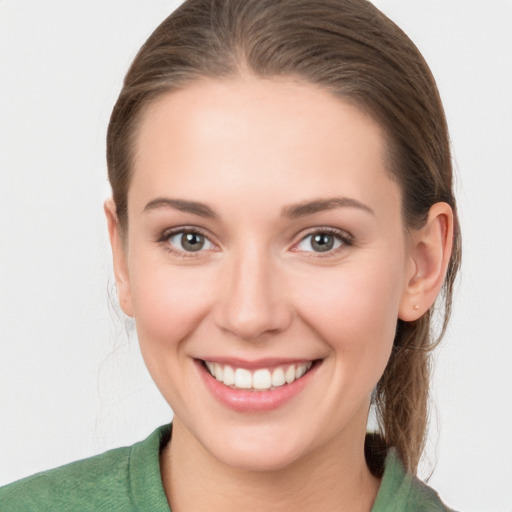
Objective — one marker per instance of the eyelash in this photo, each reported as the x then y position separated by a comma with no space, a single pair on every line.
345,239
166,235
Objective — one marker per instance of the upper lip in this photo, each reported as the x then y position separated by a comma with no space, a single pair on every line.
269,362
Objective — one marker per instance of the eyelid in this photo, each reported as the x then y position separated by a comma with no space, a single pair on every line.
346,239
168,233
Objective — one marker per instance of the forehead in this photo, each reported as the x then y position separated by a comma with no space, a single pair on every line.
218,140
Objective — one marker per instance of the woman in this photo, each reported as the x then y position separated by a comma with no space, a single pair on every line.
282,223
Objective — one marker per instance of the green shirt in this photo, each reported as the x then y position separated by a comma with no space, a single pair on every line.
128,480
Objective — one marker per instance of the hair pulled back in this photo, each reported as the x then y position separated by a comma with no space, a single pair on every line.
350,48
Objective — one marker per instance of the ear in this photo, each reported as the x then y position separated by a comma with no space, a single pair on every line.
119,258
429,254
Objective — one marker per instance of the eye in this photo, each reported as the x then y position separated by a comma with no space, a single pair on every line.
322,242
188,241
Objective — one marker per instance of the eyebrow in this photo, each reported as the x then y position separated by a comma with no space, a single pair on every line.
304,209
182,205
293,211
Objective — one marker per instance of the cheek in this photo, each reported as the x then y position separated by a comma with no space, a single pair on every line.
355,311
169,303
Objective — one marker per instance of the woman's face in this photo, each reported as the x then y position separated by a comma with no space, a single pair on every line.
265,238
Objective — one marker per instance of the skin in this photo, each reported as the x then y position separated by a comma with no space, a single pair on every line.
250,149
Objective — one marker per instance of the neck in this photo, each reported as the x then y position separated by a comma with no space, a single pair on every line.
333,478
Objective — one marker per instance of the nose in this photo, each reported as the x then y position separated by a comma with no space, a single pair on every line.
253,301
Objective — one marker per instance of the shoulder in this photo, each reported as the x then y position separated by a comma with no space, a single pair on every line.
423,498
402,492
87,481
90,481
110,481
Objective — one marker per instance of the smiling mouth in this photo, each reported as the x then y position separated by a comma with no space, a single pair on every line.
262,379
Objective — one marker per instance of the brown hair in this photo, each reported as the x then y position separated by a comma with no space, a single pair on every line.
358,54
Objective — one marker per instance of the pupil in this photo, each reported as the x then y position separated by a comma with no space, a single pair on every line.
322,242
192,241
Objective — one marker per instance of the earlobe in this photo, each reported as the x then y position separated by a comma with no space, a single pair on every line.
430,251
119,258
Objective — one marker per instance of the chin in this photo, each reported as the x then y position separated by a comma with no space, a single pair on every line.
258,449
257,460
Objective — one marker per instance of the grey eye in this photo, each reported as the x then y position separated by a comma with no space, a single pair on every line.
189,241
319,242
322,242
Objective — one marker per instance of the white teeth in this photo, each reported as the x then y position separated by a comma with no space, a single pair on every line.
300,371
261,379
243,378
289,375
229,375
278,377
219,372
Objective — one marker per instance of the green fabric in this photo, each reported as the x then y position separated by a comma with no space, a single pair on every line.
121,480
128,480
401,492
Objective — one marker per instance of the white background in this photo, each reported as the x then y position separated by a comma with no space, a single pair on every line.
72,383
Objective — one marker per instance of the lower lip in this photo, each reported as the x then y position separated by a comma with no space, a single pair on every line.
244,400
